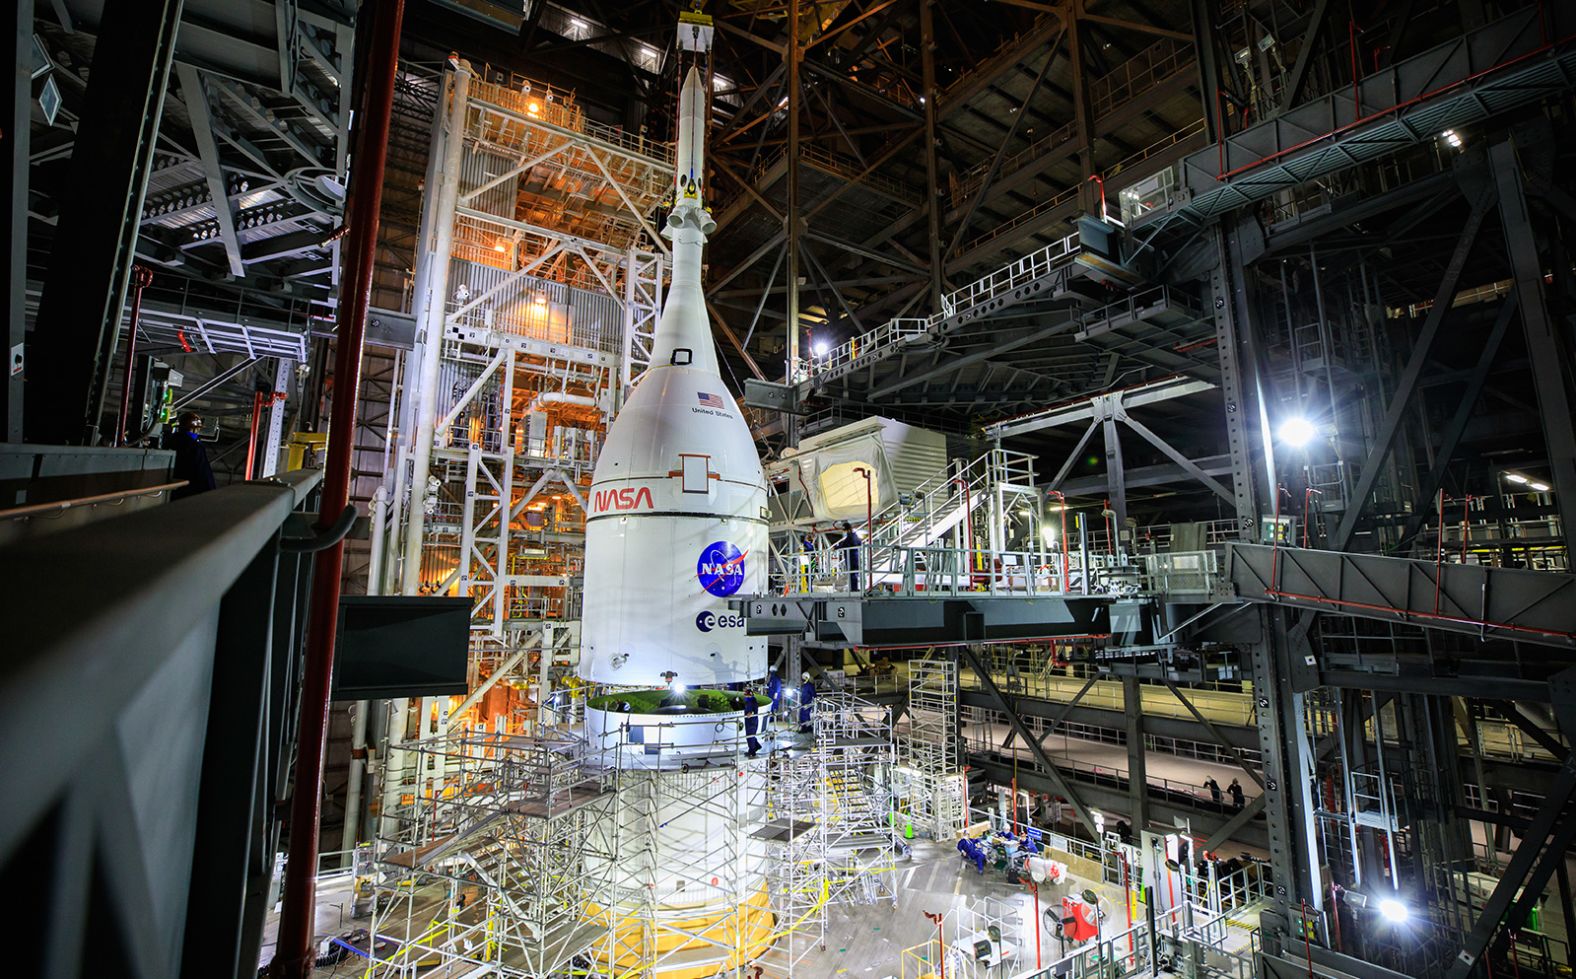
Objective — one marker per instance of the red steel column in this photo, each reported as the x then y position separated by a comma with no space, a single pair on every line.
294,954
251,441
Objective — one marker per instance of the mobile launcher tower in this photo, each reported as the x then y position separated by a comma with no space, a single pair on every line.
676,525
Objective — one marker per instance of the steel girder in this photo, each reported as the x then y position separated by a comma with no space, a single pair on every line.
1407,384
1546,343
1035,748
1110,794
1513,603
95,241
1490,70
1543,846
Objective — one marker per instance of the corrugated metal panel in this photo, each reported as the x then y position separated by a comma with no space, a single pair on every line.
902,457
913,455
533,307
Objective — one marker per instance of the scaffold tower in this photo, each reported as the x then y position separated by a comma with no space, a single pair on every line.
492,869
930,792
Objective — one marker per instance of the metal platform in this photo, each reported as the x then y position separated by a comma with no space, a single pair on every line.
1507,63
877,620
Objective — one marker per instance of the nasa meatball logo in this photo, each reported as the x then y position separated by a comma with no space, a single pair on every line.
709,620
720,568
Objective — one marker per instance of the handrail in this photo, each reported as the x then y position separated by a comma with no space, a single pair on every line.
899,331
15,513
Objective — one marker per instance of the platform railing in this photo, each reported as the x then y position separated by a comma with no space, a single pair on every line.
147,716
904,330
937,570
1193,936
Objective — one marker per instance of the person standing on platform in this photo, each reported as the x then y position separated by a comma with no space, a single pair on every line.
774,697
191,457
806,698
1235,791
752,721
848,549
1214,790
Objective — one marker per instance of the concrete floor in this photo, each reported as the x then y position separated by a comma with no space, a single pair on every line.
862,940
332,918
869,940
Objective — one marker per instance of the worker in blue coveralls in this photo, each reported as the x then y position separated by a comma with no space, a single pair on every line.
774,693
806,697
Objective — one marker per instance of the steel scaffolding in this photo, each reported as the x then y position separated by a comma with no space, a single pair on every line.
829,837
930,791
854,753
492,869
533,856
796,847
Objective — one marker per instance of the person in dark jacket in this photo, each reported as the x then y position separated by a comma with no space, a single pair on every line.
1235,791
191,457
752,721
1214,790
848,548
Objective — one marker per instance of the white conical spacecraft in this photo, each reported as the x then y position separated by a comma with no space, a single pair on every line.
676,516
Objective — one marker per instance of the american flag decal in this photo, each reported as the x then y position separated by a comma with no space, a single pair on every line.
708,400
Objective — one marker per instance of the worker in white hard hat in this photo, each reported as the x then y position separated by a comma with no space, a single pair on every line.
806,695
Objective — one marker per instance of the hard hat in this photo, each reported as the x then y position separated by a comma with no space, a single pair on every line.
804,676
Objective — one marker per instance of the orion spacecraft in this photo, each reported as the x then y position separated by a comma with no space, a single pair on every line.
676,517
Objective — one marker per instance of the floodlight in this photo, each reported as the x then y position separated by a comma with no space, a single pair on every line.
820,348
1393,911
1297,431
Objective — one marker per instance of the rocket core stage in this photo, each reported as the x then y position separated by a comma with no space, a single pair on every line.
677,509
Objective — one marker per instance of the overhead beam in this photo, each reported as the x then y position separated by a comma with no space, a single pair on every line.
1129,25
1144,394
1219,738
1187,465
1310,43
1229,828
951,364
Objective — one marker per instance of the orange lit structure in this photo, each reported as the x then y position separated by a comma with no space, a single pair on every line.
538,286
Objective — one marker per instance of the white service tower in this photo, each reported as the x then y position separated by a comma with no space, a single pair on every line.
676,520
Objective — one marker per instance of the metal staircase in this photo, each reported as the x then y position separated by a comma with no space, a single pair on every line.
937,506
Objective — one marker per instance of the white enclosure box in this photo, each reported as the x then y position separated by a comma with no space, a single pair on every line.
826,467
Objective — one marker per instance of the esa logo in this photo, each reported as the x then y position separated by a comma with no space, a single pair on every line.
709,620
720,568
